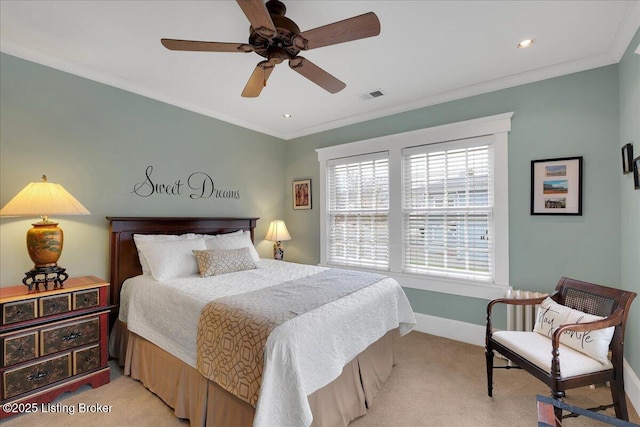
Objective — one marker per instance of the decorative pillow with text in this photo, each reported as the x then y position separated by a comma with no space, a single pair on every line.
595,344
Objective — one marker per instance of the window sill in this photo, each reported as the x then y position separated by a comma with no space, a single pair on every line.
451,286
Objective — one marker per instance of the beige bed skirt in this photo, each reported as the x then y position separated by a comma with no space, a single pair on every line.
204,403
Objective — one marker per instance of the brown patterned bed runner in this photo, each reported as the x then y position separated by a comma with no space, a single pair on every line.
233,331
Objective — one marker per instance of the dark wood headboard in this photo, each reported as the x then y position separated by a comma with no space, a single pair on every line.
124,261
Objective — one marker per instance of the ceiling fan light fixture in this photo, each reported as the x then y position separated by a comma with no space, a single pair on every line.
526,43
287,116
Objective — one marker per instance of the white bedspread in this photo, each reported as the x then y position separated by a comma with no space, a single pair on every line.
301,356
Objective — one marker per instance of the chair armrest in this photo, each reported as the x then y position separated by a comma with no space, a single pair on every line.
509,301
514,301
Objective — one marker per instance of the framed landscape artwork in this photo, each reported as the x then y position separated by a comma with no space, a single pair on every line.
302,194
556,186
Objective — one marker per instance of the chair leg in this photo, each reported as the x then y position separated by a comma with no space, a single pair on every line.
557,411
619,399
489,355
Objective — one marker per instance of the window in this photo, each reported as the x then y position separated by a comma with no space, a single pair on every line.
358,211
448,209
428,207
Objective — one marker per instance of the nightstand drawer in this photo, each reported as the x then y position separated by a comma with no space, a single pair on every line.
55,304
36,375
69,335
13,312
86,299
20,348
86,359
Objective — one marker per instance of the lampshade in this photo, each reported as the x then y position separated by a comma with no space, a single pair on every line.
45,239
277,231
43,199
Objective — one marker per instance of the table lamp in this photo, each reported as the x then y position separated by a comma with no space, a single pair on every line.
45,239
277,233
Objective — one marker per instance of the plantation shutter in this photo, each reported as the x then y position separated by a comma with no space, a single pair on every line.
448,209
358,211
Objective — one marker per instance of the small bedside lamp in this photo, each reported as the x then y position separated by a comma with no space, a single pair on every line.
277,232
45,239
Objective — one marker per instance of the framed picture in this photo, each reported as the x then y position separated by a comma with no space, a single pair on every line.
302,194
556,186
627,158
636,172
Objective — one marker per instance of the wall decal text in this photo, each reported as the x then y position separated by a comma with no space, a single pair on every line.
198,185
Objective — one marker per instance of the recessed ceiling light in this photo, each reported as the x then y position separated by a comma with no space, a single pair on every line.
287,116
526,43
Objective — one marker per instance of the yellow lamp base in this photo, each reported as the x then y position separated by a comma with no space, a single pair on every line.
44,243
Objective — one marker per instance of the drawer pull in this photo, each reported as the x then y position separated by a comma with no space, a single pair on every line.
38,376
71,336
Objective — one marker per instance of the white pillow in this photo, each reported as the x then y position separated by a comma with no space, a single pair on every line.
172,258
549,316
220,261
592,343
137,238
236,240
595,344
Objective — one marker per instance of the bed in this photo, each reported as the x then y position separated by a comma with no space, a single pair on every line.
322,367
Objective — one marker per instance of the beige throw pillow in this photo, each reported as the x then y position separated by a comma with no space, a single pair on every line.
220,261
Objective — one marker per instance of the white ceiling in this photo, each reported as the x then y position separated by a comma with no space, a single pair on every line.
428,52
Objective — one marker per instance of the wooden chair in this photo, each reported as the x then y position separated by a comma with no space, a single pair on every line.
612,304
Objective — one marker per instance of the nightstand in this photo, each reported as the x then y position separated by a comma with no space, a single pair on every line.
52,341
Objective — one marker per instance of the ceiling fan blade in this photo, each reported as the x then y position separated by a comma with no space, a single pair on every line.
258,15
198,46
358,27
316,74
258,79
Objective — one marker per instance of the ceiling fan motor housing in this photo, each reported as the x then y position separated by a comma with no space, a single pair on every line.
281,47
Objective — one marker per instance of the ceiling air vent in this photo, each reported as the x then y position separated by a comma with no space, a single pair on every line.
370,95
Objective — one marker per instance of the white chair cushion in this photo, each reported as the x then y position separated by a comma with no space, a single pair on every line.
536,348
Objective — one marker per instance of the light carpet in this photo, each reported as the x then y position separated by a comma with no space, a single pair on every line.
436,382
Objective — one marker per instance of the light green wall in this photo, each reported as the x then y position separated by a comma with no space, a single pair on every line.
97,141
575,115
629,69
590,114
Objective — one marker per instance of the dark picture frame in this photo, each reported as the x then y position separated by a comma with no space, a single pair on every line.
636,173
627,158
301,194
556,186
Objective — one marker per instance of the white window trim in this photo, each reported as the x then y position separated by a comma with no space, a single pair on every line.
496,126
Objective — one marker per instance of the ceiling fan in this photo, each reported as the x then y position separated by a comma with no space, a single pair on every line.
278,38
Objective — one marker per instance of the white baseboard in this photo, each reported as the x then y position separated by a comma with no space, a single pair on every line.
452,329
474,334
632,386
